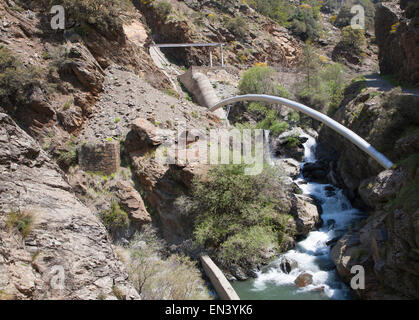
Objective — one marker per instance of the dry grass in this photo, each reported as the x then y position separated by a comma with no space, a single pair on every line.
21,221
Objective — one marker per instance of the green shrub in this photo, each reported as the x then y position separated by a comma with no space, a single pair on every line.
237,213
20,221
175,277
16,81
163,8
293,117
261,80
103,15
305,21
292,142
237,26
248,243
115,219
279,10
344,16
353,39
257,80
271,123
323,84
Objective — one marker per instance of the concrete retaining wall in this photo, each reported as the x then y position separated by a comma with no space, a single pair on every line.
224,289
103,158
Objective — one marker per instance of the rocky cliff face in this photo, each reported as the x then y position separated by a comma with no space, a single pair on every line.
65,244
385,244
397,34
248,36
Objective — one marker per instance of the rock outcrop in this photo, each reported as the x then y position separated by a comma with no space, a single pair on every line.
306,214
385,243
290,144
131,201
397,35
268,42
67,253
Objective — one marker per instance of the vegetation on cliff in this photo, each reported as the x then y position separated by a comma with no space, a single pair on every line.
262,80
323,84
104,15
303,20
240,216
158,274
16,80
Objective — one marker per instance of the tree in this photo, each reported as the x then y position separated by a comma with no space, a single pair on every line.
353,39
310,62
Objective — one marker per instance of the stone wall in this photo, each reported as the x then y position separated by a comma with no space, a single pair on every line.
103,158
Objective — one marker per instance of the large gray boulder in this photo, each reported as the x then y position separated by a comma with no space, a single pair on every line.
306,215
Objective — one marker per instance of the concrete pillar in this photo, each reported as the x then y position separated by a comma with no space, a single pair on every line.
222,55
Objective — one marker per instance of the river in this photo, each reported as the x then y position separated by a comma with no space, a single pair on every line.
312,254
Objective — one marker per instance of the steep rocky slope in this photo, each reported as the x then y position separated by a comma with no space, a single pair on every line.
397,30
385,243
69,67
249,39
64,234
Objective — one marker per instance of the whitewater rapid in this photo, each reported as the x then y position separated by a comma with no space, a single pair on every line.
312,254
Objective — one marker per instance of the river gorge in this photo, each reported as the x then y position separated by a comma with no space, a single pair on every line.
311,255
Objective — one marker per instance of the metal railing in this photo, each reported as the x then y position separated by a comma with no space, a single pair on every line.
186,45
334,125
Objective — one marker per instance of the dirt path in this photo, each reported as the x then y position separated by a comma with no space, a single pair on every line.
377,82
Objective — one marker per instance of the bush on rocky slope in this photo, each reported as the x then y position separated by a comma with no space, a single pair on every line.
155,278
239,216
16,81
104,15
322,86
305,21
262,80
344,16
280,10
302,19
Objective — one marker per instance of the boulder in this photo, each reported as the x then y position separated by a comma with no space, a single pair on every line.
381,188
290,145
287,264
315,171
290,166
303,280
306,215
148,132
85,67
131,201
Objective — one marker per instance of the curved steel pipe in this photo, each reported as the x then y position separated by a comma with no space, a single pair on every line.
336,126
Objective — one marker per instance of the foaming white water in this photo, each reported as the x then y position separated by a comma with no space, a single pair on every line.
267,149
312,254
